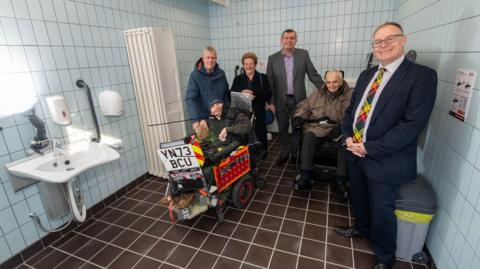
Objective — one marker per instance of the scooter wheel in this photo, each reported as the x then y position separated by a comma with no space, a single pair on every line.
243,192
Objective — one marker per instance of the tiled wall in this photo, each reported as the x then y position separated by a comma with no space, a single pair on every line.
336,33
447,37
49,44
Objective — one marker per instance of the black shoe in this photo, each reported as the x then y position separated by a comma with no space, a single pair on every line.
381,266
282,159
303,185
341,190
349,232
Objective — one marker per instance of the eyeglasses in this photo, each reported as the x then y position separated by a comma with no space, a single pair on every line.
389,40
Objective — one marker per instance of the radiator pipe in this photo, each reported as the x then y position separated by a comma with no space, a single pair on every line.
81,84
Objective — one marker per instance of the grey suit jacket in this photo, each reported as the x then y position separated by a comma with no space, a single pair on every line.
277,76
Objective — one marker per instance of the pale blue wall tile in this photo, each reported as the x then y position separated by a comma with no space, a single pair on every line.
21,212
20,8
8,222
12,139
5,253
29,233
15,241
35,9
3,198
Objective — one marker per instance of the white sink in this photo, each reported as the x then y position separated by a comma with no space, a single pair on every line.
76,158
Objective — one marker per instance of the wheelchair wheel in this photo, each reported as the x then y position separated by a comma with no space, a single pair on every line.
243,192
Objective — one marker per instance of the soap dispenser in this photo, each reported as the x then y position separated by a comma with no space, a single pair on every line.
58,109
111,103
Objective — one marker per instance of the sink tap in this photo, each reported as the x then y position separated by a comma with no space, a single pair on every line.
57,147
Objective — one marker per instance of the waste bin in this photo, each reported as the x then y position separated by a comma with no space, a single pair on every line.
415,207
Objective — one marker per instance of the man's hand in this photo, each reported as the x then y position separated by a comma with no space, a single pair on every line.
297,123
197,124
248,93
223,135
357,149
271,107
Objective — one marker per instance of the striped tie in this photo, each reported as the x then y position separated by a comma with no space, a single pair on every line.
367,106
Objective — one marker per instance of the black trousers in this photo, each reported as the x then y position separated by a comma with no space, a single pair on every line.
284,117
310,145
261,127
373,205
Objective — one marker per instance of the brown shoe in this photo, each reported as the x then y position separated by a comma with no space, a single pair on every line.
185,200
165,200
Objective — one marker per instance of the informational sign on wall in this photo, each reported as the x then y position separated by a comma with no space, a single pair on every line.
462,93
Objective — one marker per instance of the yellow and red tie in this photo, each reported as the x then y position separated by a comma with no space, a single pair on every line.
359,127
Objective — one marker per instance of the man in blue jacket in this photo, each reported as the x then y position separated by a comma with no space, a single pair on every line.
207,83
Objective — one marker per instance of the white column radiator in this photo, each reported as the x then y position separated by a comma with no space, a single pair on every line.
153,64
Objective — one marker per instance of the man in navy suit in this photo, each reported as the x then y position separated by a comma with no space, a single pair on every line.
389,109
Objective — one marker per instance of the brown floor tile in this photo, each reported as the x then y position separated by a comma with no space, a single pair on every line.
71,263
288,243
262,196
402,265
307,263
161,250
276,210
252,219
194,238
156,211
202,260
141,208
233,215
298,203
334,238
143,244
314,232
205,224
316,218
223,263
112,216
244,233
258,255
126,238
319,195
159,228
292,227
271,223
126,260
52,260
181,256
334,221
265,238
74,243
95,228
249,266
106,256
339,255
90,266
361,244
126,220
313,249
141,224
176,233
333,266
141,194
90,249
128,204
257,207
363,260
225,229
110,233
268,188
214,243
295,214
337,209
154,198
147,263
39,256
235,249
283,260
280,199
320,206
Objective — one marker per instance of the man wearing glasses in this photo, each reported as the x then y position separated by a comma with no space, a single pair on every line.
389,108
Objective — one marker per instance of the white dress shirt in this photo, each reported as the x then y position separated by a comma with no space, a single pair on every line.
390,69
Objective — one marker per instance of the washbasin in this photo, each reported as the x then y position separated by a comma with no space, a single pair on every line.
76,158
